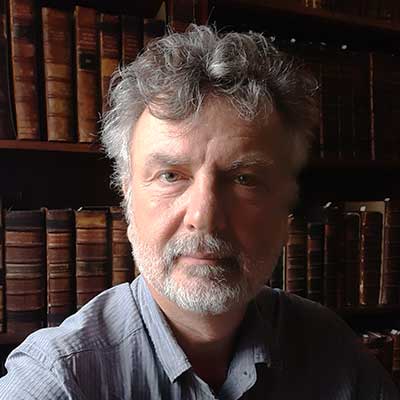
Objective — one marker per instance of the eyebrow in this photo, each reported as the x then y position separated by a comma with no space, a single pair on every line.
244,162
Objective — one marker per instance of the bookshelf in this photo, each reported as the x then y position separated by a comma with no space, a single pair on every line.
57,174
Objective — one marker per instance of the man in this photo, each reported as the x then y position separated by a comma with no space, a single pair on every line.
208,133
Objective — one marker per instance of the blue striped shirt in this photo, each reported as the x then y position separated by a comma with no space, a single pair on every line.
119,346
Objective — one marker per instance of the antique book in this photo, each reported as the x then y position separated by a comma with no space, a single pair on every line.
181,13
5,103
296,256
60,240
24,68
132,37
122,264
351,258
333,274
25,264
93,269
57,55
87,66
315,260
396,355
370,256
110,52
390,283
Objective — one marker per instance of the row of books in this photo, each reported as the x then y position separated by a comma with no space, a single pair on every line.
386,347
54,261
63,69
387,10
359,106
345,255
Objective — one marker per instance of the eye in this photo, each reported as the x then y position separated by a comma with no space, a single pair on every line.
169,177
245,180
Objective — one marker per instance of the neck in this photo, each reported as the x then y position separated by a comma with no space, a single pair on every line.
207,340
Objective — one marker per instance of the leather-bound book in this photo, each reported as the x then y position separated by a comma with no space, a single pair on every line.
57,54
24,68
87,66
110,52
132,37
25,264
396,355
60,239
93,269
181,13
330,103
296,256
2,310
351,258
333,275
315,260
370,256
121,252
390,282
5,112
277,277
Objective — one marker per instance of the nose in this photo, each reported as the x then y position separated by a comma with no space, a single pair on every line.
205,210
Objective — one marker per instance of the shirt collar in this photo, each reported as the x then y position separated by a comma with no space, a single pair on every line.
253,341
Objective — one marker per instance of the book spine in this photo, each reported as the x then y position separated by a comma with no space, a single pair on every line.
181,14
92,257
132,37
390,281
315,259
60,265
333,276
24,68
352,258
121,252
25,262
370,256
86,73
296,256
110,53
5,115
57,52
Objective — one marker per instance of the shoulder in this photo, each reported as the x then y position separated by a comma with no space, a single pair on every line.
104,323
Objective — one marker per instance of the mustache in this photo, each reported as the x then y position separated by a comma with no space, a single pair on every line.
208,244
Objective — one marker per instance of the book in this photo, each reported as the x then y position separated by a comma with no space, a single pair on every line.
315,260
333,274
122,265
60,254
296,256
351,258
5,111
57,55
87,66
370,256
390,283
132,37
110,52
2,310
24,68
93,270
181,13
25,265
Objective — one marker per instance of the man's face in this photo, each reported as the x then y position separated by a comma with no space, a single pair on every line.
208,205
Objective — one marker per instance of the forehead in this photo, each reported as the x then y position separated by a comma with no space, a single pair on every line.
217,130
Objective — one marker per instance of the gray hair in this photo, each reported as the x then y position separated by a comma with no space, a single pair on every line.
175,74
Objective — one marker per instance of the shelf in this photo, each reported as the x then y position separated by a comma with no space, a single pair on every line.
370,311
353,164
325,16
50,146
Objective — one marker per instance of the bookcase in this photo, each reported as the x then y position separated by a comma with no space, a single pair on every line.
36,173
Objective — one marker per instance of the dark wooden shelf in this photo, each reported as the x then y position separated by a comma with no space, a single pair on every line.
354,164
371,311
325,16
50,146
